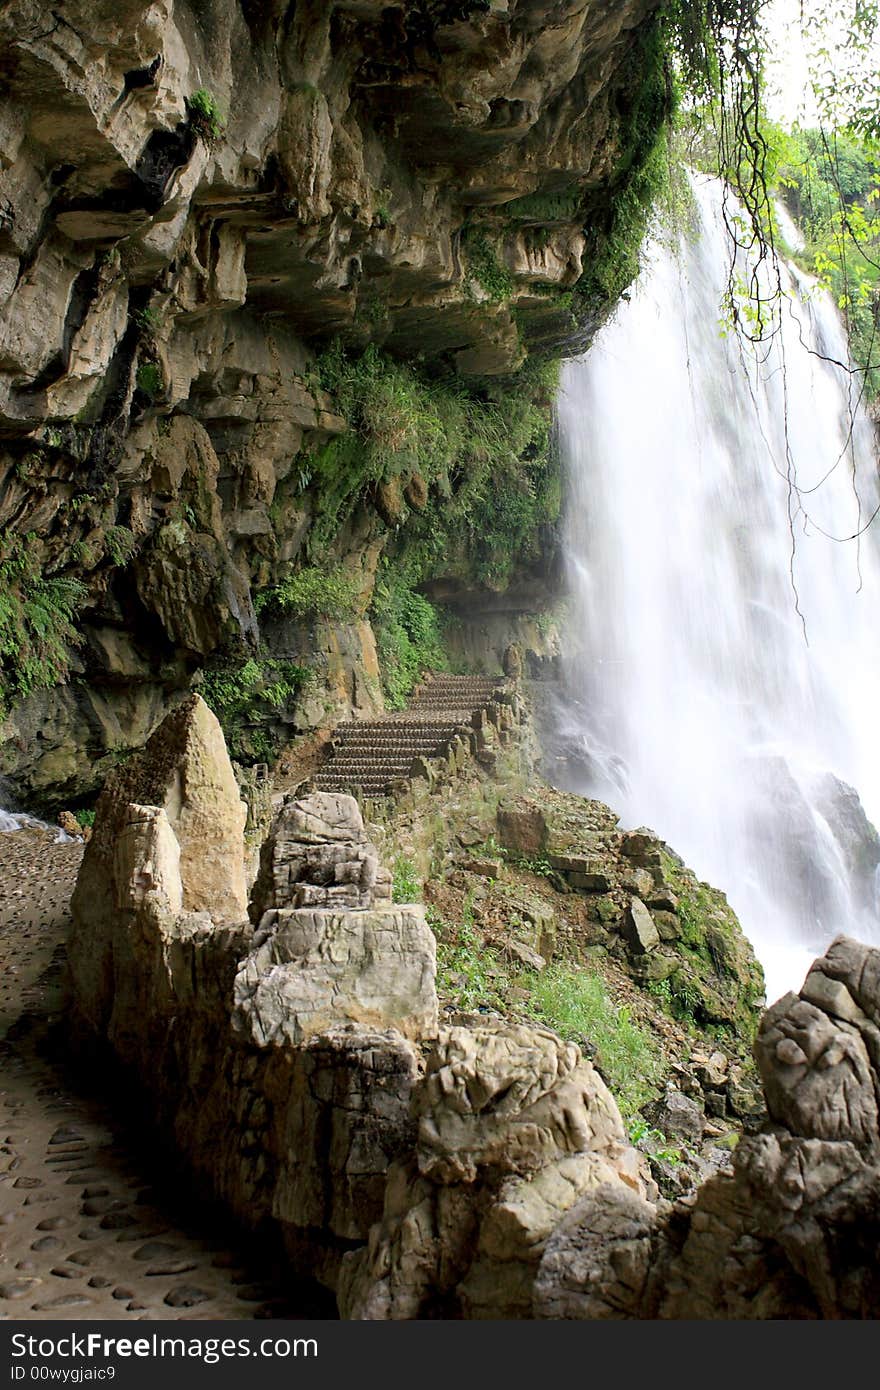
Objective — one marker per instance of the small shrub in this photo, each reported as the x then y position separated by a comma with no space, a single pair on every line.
149,379
408,638
37,628
204,114
653,1142
313,592
121,544
406,887
243,695
84,818
484,268
147,319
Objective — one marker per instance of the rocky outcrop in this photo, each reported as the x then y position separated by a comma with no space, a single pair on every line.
317,855
298,1068
193,199
283,1036
791,1229
675,934
477,1170
513,1127
341,950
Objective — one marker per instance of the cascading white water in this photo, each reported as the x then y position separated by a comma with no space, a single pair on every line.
20,820
704,706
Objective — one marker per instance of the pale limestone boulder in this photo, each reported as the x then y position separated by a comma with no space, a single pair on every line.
509,1094
513,1128
318,968
317,855
817,1073
184,769
597,1261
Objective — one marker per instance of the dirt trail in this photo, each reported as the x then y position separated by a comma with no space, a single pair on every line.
87,1229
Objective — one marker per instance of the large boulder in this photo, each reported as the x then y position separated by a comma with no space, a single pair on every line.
317,855
316,968
184,769
514,1126
793,1231
169,828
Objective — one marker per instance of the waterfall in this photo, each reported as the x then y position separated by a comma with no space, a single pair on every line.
724,681
11,819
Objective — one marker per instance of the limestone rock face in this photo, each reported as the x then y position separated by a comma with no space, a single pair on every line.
165,281
596,1262
511,1094
514,1126
791,1230
319,967
317,855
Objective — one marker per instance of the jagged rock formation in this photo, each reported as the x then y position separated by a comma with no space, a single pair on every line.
791,1231
676,933
513,1127
478,1170
191,199
303,1039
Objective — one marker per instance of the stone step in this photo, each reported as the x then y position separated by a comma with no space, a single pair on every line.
399,745
354,745
367,755
401,731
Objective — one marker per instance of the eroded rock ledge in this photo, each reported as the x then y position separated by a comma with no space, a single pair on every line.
193,199
296,1060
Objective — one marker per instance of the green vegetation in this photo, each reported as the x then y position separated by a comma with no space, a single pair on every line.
244,695
37,630
653,1142
147,319
408,636
483,268
719,983
313,592
204,114
577,1006
483,451
543,209
644,106
85,818
149,379
572,1002
406,887
120,544
832,185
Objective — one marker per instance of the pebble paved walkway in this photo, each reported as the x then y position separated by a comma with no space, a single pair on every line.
87,1229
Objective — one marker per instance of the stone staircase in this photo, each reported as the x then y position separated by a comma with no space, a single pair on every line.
369,758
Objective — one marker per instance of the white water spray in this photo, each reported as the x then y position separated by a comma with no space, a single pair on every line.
700,707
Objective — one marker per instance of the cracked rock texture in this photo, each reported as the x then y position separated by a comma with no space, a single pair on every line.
166,274
299,1069
480,1170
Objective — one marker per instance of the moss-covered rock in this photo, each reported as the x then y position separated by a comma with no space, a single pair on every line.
680,937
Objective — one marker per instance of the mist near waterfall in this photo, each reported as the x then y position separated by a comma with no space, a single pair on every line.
723,680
